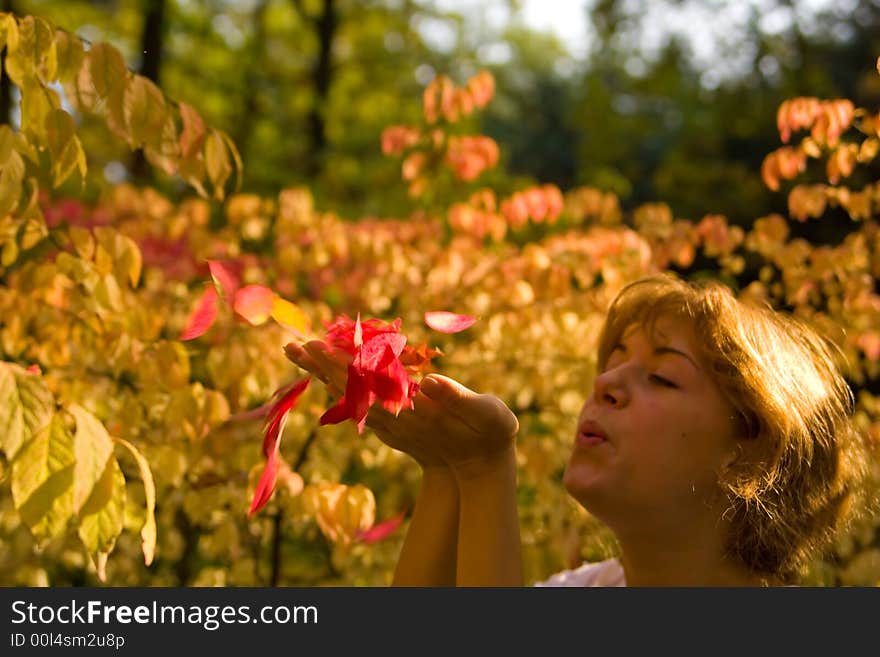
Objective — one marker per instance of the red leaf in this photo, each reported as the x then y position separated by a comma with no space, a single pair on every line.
379,351
382,530
225,277
337,413
266,486
340,333
447,322
254,303
201,319
277,415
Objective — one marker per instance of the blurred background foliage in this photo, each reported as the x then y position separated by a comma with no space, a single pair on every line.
304,87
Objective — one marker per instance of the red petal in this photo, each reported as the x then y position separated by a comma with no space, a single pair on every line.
266,486
225,277
358,333
392,386
336,414
382,530
360,396
201,319
254,303
446,322
277,415
380,350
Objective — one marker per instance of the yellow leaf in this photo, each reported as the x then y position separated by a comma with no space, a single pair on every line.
148,532
11,175
34,231
217,163
64,146
42,480
7,143
83,242
93,450
31,56
192,135
289,314
145,113
70,53
26,406
236,158
166,153
37,103
101,518
45,53
108,73
8,32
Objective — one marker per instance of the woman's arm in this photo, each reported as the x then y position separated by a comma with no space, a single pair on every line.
489,552
428,556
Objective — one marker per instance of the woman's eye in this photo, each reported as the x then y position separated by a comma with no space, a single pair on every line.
662,381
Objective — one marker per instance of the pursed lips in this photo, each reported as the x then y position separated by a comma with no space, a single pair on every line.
591,433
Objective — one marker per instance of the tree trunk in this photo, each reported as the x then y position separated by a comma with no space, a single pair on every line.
152,38
5,84
322,73
255,55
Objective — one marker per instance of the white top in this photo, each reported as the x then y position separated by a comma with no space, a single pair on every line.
601,573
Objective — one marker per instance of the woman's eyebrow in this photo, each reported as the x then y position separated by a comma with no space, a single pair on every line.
660,350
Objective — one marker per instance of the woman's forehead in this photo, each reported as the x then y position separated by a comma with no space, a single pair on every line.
664,328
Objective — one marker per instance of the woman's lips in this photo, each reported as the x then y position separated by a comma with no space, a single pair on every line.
589,440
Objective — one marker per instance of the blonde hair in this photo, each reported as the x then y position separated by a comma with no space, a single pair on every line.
802,461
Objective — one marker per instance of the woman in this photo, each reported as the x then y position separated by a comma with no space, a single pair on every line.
717,445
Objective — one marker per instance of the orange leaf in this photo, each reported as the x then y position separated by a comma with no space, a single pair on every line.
254,303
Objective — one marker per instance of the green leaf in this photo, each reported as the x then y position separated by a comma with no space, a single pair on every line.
26,407
93,449
42,480
148,532
101,518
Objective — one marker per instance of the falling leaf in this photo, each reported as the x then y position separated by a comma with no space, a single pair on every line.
254,303
381,530
203,316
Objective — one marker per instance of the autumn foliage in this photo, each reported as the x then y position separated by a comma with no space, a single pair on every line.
152,430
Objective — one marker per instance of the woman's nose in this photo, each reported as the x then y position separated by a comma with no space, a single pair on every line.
609,389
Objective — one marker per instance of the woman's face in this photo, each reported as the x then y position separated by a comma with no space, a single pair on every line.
668,432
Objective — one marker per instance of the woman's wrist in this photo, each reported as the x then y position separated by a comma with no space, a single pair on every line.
498,466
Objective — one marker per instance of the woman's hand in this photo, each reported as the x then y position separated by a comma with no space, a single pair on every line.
449,424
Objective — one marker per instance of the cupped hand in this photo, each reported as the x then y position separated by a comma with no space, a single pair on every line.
449,424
